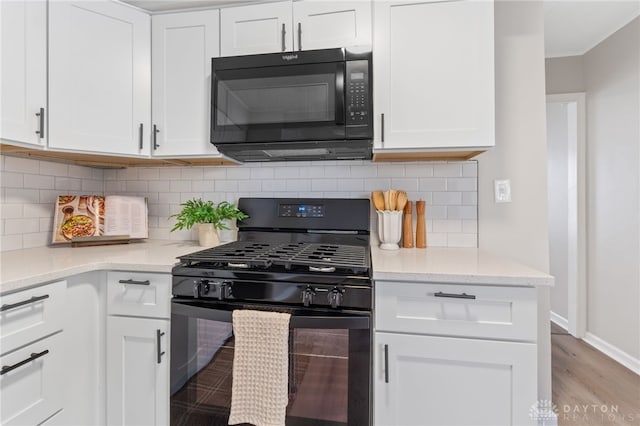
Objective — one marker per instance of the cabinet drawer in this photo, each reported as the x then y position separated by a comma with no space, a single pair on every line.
139,294
31,314
492,312
32,391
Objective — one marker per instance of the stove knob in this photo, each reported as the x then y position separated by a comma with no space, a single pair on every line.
197,287
307,296
335,297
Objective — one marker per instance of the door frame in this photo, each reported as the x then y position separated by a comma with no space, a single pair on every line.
577,286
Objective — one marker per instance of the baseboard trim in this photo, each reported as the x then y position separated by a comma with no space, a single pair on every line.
613,352
559,321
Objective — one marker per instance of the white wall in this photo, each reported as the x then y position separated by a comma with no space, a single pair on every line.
612,81
564,75
558,189
519,229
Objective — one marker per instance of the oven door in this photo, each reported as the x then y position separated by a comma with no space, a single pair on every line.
329,365
278,103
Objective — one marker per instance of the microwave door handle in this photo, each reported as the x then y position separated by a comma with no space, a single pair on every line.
340,93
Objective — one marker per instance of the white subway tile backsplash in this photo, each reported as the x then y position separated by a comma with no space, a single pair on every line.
461,184
449,189
447,198
432,184
10,242
12,180
191,173
53,169
148,174
11,211
21,165
68,184
21,226
180,186
447,170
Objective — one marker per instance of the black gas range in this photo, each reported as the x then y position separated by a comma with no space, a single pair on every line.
306,257
298,252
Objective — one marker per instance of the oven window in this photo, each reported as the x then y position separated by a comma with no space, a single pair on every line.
323,364
265,97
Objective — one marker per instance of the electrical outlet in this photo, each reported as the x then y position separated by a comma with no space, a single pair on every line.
502,190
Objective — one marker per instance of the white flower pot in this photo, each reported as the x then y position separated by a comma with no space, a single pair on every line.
208,235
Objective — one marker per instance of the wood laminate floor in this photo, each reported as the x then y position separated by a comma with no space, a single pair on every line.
590,388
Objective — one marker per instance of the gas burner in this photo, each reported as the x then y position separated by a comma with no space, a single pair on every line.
323,258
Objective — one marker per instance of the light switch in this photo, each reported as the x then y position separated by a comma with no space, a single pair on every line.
502,190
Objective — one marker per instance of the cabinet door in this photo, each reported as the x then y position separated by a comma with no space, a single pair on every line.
99,77
444,381
252,29
434,74
183,45
137,371
32,382
328,24
140,294
24,70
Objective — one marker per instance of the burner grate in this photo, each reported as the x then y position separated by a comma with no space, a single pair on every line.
263,255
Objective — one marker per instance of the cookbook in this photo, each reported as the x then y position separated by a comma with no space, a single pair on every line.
81,216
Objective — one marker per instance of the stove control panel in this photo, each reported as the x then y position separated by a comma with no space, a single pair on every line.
215,289
301,210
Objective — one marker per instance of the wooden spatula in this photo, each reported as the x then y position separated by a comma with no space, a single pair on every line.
378,200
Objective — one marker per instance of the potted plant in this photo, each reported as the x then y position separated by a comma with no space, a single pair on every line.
208,217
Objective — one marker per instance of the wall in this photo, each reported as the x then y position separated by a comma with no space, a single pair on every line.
612,81
519,229
28,190
29,187
558,190
564,75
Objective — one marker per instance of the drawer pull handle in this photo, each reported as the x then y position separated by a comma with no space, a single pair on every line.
145,282
455,296
33,357
386,363
159,334
34,299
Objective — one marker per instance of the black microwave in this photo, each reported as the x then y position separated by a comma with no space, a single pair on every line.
305,105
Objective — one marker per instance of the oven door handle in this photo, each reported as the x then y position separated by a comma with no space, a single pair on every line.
351,322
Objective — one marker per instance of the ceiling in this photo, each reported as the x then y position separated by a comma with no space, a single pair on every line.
571,27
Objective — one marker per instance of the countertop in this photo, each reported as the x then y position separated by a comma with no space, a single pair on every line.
21,269
453,265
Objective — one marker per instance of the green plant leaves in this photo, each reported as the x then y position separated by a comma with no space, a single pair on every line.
198,211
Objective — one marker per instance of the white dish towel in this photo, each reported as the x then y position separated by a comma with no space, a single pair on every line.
259,394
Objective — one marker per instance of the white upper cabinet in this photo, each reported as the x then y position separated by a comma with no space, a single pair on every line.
433,74
260,28
23,78
327,24
99,77
287,26
182,48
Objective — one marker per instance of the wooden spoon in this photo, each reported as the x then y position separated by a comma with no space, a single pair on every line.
401,201
393,198
386,200
378,200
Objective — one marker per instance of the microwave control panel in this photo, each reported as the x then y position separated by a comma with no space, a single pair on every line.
357,93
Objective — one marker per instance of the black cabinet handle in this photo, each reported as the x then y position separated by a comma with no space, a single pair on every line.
159,334
140,135
155,137
454,296
386,363
33,357
284,47
382,128
40,131
299,35
145,282
34,299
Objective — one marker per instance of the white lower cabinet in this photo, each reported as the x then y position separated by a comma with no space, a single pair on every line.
454,354
427,380
32,382
137,371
